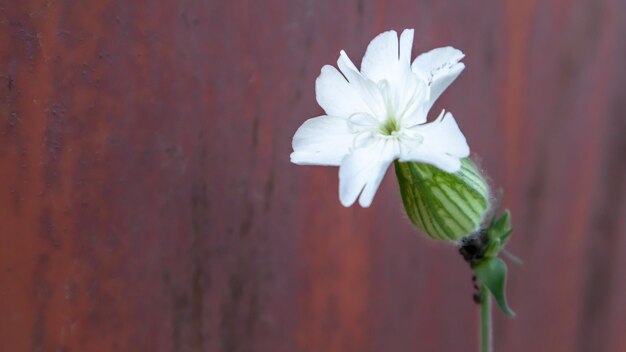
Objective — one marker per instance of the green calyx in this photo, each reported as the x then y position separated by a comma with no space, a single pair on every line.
445,206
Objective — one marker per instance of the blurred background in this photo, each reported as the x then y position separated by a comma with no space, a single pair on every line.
147,201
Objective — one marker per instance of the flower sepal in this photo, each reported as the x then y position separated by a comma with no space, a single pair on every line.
481,251
498,234
491,272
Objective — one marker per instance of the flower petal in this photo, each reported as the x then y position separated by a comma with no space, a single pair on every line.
444,134
406,45
381,60
366,89
335,95
443,144
425,154
410,95
363,169
439,67
323,140
381,57
404,92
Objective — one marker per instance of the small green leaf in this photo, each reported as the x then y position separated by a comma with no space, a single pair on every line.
500,228
505,221
492,273
493,248
506,235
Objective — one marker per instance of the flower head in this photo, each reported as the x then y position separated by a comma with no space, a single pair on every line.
379,114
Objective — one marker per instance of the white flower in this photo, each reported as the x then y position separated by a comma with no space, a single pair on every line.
378,115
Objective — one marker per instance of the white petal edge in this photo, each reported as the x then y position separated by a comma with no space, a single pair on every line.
439,68
445,135
335,94
443,144
406,45
362,171
427,64
381,57
425,154
322,140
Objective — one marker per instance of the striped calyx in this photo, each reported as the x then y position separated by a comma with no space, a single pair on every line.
445,206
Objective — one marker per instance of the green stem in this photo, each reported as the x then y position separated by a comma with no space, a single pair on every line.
485,320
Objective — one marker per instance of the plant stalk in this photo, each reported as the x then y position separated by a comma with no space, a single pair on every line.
485,320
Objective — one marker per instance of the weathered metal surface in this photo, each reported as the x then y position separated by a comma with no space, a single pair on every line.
147,202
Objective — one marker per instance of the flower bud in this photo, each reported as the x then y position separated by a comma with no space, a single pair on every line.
445,206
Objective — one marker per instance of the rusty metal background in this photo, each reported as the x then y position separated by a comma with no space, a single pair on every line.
147,202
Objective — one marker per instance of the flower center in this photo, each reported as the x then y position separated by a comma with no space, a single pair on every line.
390,126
